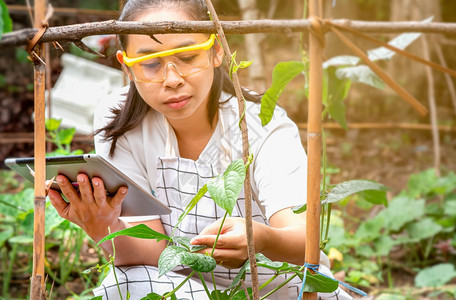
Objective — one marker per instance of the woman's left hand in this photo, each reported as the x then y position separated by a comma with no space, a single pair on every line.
231,248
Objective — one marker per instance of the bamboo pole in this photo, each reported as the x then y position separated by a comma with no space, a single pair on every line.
316,48
38,290
432,106
245,155
451,89
76,32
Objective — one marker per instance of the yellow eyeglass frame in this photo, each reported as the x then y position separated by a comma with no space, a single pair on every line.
205,46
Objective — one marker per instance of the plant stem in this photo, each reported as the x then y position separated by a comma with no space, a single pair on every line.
218,233
203,282
215,286
268,281
278,287
180,285
328,219
7,276
113,257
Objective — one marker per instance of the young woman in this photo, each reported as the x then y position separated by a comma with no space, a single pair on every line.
172,129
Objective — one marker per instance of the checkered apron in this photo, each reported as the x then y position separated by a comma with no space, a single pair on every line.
178,181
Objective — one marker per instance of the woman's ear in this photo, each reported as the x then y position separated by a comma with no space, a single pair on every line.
218,57
119,56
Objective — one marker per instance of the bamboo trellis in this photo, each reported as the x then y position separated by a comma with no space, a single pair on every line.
315,24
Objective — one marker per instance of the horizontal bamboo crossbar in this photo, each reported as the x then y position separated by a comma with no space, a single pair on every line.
411,126
67,11
78,31
27,137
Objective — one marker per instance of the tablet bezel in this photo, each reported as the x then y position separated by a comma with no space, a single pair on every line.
138,201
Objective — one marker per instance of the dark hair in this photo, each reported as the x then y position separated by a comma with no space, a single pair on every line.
134,109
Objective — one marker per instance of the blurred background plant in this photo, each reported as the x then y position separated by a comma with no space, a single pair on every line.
412,238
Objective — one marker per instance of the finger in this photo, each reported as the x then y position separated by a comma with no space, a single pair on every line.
67,189
99,192
223,242
119,196
85,188
58,202
230,258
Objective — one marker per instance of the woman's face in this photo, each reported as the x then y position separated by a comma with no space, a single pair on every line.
177,97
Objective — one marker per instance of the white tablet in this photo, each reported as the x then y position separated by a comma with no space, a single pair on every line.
138,202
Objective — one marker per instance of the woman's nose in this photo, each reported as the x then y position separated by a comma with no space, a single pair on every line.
172,76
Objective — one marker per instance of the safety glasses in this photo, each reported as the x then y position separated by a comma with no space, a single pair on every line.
203,46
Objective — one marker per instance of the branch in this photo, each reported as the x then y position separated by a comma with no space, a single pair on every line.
78,31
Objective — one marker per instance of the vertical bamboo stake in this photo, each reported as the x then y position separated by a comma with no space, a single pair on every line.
432,107
245,154
38,290
314,145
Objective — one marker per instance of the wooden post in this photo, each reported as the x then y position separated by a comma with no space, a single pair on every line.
314,145
38,289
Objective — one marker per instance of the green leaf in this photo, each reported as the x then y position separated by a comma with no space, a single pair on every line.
391,297
435,276
370,229
6,24
401,41
402,210
319,283
152,296
352,187
220,295
192,204
224,189
365,251
53,220
197,261
240,295
423,229
21,239
241,274
278,266
299,209
2,81
169,259
343,60
421,183
52,124
65,136
361,73
283,73
139,231
449,207
336,94
5,234
384,245
173,256
22,56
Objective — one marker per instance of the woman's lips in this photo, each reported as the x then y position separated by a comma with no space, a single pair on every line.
176,103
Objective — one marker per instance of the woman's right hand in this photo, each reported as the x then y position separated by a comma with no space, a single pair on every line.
90,207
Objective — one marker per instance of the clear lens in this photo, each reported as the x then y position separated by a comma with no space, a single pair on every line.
186,63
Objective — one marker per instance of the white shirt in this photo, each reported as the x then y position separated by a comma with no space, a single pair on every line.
279,167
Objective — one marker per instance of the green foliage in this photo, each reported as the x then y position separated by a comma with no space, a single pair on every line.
141,231
435,276
224,189
6,24
61,138
234,66
419,222
16,237
283,73
173,256
372,192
